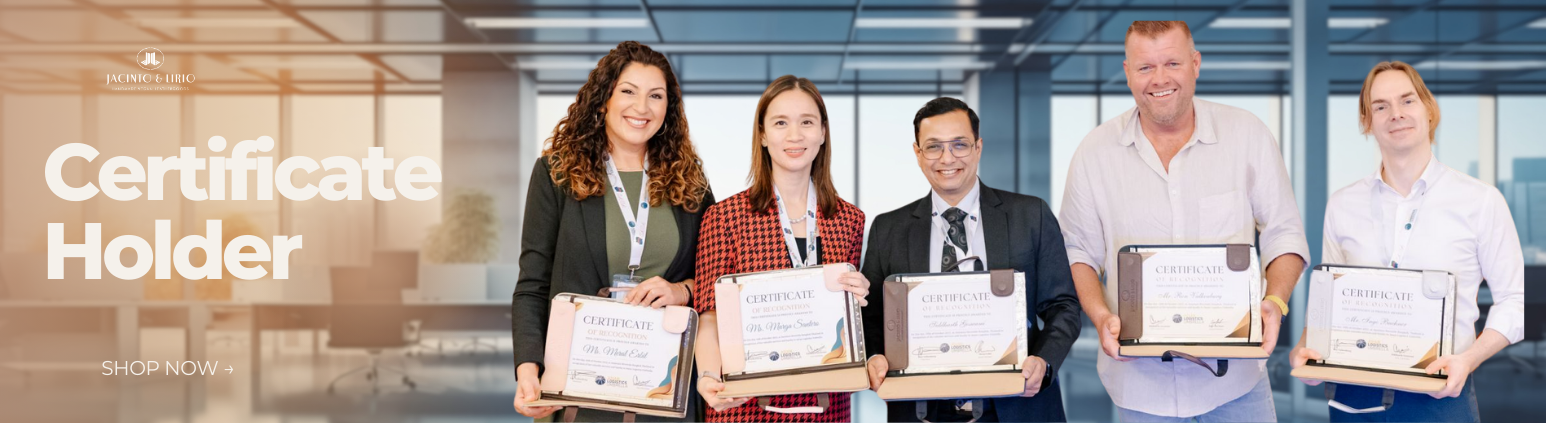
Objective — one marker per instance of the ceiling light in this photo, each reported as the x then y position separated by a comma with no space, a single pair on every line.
530,23
1286,23
1282,65
1491,65
218,22
956,23
1538,24
951,65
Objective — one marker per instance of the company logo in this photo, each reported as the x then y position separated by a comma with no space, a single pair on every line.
944,347
601,380
1362,344
1176,318
149,58
773,356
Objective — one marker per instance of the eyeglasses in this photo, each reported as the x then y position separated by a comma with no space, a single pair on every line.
958,148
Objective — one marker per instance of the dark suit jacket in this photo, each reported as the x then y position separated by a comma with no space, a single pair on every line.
564,249
1019,232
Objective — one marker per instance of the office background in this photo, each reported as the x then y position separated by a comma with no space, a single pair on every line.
477,85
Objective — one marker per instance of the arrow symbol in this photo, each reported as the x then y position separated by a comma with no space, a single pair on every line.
229,369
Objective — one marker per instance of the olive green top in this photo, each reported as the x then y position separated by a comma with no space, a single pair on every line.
661,242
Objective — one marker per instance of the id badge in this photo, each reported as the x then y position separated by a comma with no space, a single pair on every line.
621,284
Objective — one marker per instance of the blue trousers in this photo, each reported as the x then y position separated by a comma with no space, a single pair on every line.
1408,407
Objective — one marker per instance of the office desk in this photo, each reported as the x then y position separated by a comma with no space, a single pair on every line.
464,315
126,317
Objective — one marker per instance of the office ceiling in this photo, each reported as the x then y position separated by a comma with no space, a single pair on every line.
729,46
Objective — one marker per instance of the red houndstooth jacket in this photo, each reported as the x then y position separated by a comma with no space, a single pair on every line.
736,239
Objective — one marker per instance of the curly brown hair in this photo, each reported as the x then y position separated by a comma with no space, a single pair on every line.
576,151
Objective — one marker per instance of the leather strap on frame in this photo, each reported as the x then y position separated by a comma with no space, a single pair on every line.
1130,294
1238,256
1002,282
922,410
1386,401
895,315
1222,369
823,402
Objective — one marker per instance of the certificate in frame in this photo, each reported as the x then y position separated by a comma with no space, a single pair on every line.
605,354
1191,301
789,331
955,335
1379,327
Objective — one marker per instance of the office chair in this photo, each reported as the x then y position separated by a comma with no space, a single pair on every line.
369,317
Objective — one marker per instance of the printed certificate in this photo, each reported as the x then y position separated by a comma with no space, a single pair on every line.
620,352
1382,319
955,323
1205,296
604,354
790,320
1190,295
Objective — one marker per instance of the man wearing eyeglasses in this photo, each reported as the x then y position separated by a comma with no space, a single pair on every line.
963,225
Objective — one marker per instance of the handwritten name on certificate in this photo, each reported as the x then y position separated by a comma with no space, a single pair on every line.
1192,294
961,325
621,352
793,321
1385,323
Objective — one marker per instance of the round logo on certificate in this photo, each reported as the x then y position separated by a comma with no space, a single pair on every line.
1176,318
944,347
1362,344
773,356
601,380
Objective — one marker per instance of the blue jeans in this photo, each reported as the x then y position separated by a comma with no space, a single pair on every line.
1408,407
1254,406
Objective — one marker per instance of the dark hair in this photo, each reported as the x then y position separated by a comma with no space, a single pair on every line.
940,106
575,151
761,192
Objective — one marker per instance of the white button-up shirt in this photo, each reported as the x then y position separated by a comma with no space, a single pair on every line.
1226,183
973,223
1457,223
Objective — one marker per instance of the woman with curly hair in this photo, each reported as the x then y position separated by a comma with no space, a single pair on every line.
790,217
617,195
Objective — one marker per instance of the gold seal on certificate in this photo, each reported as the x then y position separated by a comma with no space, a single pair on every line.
1190,301
605,354
955,335
1379,326
788,331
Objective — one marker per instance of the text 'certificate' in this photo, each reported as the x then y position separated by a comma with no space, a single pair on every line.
621,352
791,320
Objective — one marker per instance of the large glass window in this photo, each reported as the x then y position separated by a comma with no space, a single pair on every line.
721,128
1522,169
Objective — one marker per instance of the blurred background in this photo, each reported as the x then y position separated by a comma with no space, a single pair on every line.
477,85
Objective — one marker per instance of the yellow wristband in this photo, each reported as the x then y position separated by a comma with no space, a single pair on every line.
1282,306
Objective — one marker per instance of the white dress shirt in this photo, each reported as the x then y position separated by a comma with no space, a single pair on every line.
1458,224
1226,183
973,223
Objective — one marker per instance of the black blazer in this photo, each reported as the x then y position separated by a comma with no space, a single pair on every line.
564,249
1019,232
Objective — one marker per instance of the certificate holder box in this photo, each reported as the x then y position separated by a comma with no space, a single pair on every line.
955,335
605,354
790,331
1190,301
1379,327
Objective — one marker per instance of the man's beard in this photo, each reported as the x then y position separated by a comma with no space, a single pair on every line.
1168,117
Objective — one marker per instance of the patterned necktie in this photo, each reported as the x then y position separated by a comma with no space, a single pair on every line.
956,235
